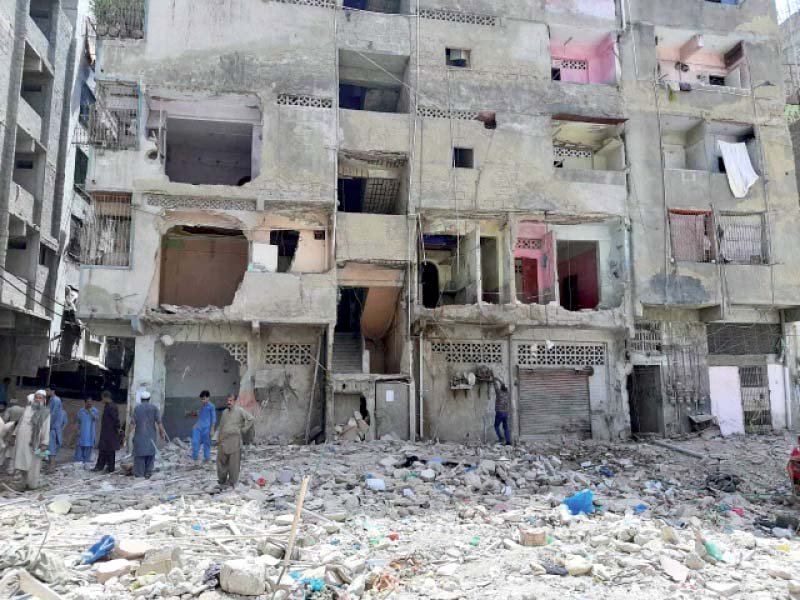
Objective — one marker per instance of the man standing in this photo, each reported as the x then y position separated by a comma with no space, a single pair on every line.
204,428
109,435
87,423
146,422
8,425
33,434
502,403
58,418
232,424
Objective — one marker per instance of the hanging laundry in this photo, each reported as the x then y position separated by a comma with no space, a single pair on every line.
741,175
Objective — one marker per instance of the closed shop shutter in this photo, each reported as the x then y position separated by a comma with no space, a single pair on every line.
554,403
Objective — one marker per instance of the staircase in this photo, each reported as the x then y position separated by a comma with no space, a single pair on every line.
347,353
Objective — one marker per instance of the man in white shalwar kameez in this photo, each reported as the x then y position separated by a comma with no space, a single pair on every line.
32,433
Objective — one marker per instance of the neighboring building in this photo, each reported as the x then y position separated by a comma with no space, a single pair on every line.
34,86
329,209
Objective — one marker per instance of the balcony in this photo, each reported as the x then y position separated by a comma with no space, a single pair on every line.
366,131
21,203
29,120
367,31
363,237
14,291
37,39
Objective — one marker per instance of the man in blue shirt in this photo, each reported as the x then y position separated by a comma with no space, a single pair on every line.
146,423
58,418
87,423
204,428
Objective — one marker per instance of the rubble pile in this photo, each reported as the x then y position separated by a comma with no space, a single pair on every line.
401,520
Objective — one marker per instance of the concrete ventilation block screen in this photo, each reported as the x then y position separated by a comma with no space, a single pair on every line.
202,266
205,152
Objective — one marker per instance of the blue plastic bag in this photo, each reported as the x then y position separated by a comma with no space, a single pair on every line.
639,508
100,550
580,503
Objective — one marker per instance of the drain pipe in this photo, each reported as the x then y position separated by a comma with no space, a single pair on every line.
421,389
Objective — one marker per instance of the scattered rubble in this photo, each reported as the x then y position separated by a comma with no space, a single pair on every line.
402,520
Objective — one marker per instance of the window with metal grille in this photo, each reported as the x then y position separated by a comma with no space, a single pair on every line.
692,236
106,236
755,399
112,120
741,239
743,338
647,337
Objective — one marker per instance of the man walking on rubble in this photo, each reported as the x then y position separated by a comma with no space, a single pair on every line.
502,404
204,428
234,422
58,418
33,436
8,425
87,423
145,424
109,435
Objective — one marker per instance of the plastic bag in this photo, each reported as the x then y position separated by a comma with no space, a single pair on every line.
100,550
580,503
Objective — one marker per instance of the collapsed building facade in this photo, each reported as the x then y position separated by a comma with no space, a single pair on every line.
379,206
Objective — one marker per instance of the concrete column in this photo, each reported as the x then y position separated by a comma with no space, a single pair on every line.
330,423
147,350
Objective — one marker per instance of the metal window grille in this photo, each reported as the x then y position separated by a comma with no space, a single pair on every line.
307,101
119,18
113,119
380,195
741,239
743,338
469,352
692,236
106,235
647,337
755,399
540,354
458,17
287,354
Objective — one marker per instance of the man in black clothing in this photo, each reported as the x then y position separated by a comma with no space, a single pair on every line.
109,435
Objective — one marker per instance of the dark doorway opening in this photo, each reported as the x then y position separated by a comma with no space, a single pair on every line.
430,285
348,315
286,240
644,399
578,273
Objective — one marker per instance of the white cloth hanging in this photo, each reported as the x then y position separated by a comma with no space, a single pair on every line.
741,175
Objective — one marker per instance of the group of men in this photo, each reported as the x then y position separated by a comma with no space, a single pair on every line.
32,433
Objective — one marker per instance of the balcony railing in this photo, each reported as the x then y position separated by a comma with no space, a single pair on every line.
114,129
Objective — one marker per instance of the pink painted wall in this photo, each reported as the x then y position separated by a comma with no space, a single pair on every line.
602,63
544,257
699,62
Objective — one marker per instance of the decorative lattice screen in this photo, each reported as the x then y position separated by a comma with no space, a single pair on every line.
573,355
287,354
469,352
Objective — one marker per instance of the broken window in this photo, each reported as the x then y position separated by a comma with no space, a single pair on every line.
692,235
286,240
647,337
106,235
209,152
372,82
463,158
578,275
741,239
457,58
202,266
81,168
451,262
370,184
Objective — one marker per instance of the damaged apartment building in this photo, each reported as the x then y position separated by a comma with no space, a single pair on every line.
330,207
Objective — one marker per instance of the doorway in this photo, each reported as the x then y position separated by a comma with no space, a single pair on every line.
430,285
645,400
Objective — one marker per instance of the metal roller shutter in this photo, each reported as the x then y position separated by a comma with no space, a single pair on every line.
554,403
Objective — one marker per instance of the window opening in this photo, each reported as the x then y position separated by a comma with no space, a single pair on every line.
692,236
457,58
286,240
578,272
463,158
106,235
